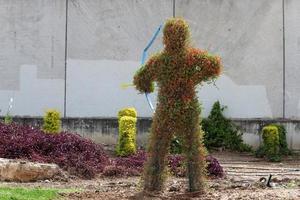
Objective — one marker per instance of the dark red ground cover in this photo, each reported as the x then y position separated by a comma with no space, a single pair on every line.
79,156
213,167
73,153
133,165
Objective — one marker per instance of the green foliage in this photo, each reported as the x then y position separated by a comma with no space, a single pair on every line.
8,119
127,132
52,122
274,143
143,83
176,145
130,112
283,147
221,132
270,137
7,193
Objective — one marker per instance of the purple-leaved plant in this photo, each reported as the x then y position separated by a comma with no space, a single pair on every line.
73,153
79,156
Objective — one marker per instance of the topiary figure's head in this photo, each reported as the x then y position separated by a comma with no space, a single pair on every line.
176,35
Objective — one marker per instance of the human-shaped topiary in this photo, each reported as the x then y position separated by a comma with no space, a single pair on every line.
178,69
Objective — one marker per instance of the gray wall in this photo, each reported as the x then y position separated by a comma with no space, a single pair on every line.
292,62
101,43
105,130
32,57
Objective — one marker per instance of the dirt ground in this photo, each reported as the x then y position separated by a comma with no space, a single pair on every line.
242,181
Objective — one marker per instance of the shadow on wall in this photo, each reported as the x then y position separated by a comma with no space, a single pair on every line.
35,95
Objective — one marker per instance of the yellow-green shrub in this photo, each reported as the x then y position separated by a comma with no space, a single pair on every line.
127,132
8,119
270,135
52,122
130,112
283,146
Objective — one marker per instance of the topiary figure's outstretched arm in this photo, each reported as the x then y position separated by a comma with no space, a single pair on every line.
205,66
146,75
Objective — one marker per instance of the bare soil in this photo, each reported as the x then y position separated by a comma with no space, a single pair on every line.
244,179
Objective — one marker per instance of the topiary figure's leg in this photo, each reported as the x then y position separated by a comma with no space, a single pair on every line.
194,150
160,140
195,157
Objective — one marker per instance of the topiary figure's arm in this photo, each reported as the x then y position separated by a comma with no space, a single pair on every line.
146,75
205,66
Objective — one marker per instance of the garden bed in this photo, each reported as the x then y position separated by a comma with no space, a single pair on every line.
242,184
112,177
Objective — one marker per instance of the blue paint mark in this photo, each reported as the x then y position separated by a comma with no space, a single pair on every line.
143,62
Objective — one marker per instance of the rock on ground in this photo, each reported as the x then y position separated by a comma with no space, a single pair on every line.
25,171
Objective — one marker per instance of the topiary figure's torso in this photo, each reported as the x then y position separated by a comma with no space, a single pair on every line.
178,69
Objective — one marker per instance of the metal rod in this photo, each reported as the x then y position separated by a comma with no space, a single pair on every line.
66,57
283,58
174,2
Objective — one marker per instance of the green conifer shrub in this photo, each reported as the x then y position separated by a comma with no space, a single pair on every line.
130,112
127,132
52,122
220,132
274,143
283,146
8,119
270,137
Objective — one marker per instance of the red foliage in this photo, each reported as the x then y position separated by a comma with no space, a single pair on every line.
80,156
126,166
214,168
133,165
70,151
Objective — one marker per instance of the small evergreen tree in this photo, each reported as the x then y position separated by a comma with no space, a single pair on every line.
274,143
283,146
221,132
52,122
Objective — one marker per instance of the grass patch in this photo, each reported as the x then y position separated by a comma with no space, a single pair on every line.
11,193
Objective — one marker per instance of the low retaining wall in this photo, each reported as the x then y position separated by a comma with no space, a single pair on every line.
252,129
105,130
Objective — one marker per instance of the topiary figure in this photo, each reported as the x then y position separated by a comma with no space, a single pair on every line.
51,122
178,69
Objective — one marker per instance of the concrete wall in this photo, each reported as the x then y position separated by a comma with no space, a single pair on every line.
32,50
105,130
292,62
248,36
101,42
105,42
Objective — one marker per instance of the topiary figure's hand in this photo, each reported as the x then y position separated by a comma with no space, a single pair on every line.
146,75
205,66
